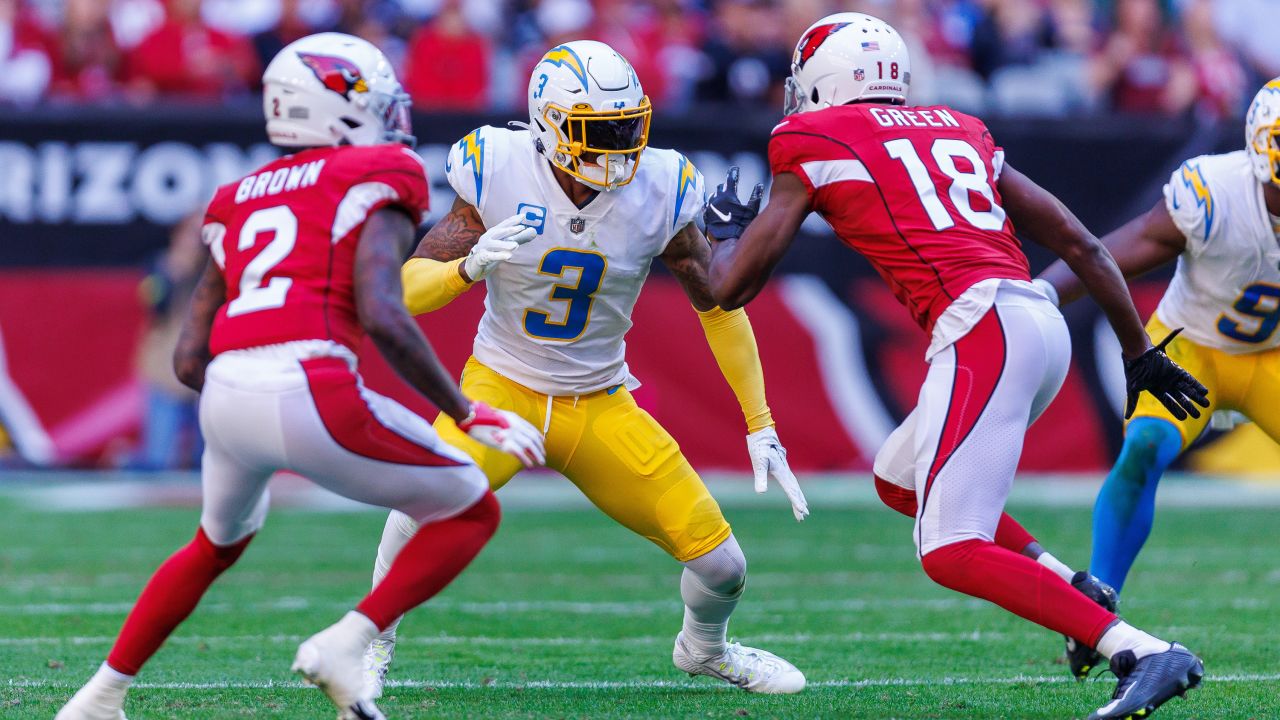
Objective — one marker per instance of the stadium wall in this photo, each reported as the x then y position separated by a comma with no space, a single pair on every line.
87,200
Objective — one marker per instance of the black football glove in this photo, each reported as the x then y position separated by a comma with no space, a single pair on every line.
724,216
1174,387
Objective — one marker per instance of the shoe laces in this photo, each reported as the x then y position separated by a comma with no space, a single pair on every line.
378,658
747,662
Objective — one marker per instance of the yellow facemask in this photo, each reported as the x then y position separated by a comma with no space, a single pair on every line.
612,139
1266,141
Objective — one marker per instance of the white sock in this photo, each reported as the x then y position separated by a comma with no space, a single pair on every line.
106,689
1123,636
710,587
358,625
399,529
1056,565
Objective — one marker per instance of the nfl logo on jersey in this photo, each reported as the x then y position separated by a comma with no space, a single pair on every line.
577,225
859,74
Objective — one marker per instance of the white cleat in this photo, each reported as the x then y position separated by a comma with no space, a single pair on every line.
92,704
377,661
331,660
757,671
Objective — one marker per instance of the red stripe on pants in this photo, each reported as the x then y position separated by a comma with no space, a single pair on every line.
979,363
335,389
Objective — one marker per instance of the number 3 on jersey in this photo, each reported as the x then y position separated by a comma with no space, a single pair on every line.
964,183
580,295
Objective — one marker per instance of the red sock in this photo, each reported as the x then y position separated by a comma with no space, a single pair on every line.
1009,534
1018,584
431,559
169,597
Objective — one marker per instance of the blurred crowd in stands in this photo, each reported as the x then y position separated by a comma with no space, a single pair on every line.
1036,57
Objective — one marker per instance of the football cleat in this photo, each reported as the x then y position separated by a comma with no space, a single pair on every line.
88,704
1080,657
753,670
1146,684
377,661
331,660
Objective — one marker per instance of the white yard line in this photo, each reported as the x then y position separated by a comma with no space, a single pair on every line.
624,684
410,639
544,491
614,607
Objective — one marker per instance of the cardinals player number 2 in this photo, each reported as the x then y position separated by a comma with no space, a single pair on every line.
964,183
282,225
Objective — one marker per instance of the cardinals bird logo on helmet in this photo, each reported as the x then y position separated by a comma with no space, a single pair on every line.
813,40
338,74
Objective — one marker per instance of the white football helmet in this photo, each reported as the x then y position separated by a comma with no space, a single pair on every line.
1262,133
588,114
334,89
844,58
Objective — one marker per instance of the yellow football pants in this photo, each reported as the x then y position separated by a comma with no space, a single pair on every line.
1249,384
616,453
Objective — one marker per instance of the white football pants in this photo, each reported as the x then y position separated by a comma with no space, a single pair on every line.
959,448
275,408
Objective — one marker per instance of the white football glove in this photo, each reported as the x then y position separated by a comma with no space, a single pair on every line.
769,460
496,245
505,431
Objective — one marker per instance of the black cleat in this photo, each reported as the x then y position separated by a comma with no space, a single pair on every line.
1146,684
1080,657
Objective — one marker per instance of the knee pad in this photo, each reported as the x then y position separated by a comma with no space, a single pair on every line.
896,497
946,565
223,556
1151,444
486,512
723,569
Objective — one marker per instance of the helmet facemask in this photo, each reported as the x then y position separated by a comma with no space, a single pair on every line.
1266,143
793,100
392,108
599,148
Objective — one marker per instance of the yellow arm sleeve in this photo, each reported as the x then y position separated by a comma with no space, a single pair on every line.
430,284
734,344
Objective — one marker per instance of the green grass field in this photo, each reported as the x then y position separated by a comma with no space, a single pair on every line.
567,615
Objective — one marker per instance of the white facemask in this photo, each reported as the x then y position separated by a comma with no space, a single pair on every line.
615,167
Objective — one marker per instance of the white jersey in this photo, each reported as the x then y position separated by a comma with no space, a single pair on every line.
1226,290
556,313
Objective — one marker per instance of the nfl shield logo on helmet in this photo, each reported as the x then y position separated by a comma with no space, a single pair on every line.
859,74
577,225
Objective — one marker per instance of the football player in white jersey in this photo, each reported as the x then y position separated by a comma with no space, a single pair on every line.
1220,217
562,219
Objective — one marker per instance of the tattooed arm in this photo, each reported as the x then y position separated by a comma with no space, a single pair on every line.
191,356
688,256
379,303
452,237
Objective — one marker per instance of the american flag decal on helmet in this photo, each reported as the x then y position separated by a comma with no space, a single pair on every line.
813,39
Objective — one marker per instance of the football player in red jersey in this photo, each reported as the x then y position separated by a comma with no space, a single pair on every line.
305,260
925,194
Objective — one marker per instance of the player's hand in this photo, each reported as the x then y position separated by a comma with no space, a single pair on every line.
769,460
496,245
724,216
505,431
1174,387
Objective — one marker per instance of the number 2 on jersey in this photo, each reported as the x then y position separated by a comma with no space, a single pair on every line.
1260,301
580,295
254,296
964,183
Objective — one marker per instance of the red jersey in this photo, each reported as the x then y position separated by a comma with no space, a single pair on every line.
913,190
285,238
